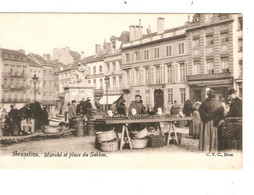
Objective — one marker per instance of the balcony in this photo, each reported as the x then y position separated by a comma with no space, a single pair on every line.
15,74
215,76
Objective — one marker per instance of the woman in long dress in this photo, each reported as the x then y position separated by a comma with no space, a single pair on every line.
211,112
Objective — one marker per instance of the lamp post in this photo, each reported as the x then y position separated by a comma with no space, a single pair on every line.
35,80
107,83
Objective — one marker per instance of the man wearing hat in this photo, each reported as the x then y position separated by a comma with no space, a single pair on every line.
72,112
137,108
235,109
211,113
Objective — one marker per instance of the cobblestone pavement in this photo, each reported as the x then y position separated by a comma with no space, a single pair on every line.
86,144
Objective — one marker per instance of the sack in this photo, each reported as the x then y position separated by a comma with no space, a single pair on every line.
156,141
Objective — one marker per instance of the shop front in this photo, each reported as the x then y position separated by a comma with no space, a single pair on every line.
200,84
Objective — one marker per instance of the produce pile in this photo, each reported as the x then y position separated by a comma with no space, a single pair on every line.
141,116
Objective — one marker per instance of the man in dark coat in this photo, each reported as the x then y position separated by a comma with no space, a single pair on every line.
82,106
137,108
88,105
235,109
15,121
39,115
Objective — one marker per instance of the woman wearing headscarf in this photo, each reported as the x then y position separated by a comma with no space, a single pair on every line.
211,112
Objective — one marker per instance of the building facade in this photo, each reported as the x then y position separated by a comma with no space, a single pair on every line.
14,78
155,65
215,54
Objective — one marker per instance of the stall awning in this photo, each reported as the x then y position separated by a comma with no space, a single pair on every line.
111,99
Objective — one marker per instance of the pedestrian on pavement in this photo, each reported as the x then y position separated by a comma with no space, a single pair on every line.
15,119
211,113
45,116
88,106
66,111
28,114
175,109
72,113
235,109
222,101
97,105
187,110
196,125
168,107
82,106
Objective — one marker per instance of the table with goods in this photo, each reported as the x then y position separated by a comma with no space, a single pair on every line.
107,139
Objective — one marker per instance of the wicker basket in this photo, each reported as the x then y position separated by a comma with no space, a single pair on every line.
140,134
232,129
106,135
109,146
156,141
139,143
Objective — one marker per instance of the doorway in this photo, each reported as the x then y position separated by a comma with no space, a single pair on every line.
158,99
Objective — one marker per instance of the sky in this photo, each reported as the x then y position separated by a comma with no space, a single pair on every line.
40,32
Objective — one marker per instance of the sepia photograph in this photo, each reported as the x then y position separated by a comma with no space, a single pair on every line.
117,90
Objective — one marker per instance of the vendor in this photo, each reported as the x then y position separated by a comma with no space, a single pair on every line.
137,108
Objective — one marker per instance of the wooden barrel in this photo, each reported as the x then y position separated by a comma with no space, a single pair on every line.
90,128
79,121
80,130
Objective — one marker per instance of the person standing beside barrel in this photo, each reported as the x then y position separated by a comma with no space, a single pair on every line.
72,113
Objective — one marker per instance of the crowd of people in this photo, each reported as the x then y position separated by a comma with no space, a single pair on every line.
208,116
12,119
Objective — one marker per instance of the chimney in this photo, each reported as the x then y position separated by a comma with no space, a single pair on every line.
160,25
98,49
131,29
46,57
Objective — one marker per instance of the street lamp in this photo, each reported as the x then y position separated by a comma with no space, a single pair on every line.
107,83
35,80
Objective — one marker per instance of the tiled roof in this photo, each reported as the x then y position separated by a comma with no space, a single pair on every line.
31,61
14,55
86,59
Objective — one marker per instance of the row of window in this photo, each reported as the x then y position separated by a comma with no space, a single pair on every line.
147,53
25,95
113,80
209,68
13,69
157,74
170,94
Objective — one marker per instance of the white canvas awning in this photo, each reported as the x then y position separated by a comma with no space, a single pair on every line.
111,99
